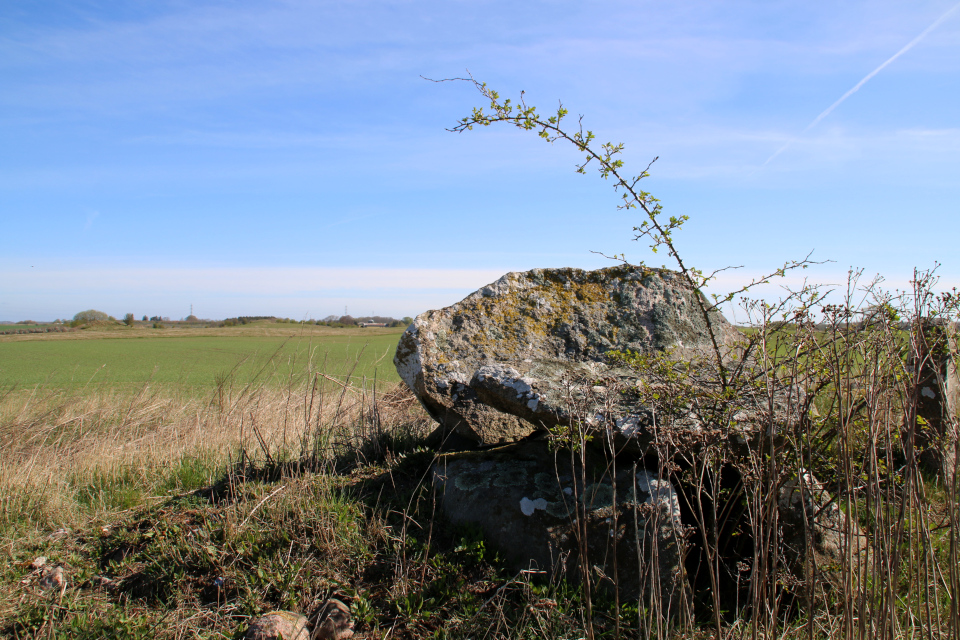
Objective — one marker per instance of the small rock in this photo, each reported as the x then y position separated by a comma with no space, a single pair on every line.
53,579
103,582
278,625
333,621
38,562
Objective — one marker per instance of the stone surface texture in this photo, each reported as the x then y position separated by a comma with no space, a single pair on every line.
332,621
939,399
53,578
279,624
807,511
501,363
525,498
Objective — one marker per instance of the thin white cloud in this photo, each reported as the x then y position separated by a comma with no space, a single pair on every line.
856,87
91,217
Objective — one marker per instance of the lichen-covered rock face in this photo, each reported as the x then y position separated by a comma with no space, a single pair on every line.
499,365
525,499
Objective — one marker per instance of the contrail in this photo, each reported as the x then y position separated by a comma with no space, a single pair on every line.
866,79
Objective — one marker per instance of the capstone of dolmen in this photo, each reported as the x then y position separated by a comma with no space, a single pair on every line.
513,357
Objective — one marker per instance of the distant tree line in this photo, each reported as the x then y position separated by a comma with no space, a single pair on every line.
240,320
91,316
329,321
350,321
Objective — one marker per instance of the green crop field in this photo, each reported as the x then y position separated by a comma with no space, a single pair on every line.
195,360
9,328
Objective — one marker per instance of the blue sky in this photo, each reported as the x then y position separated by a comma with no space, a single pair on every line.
286,158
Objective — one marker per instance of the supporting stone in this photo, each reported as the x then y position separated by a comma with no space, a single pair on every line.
544,511
934,351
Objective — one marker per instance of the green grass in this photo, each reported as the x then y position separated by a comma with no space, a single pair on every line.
194,362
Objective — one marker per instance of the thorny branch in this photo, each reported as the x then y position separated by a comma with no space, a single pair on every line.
659,231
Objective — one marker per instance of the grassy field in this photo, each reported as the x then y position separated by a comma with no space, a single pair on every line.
179,515
197,359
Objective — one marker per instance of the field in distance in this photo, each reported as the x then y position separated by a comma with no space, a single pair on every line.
195,358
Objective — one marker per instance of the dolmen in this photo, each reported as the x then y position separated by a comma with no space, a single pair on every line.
505,366
545,450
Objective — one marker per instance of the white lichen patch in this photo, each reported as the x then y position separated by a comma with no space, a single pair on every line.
507,378
408,361
660,492
528,506
630,425
450,374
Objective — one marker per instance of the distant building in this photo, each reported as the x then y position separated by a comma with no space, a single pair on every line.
371,324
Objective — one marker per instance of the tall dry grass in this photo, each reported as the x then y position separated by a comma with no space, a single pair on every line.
69,457
848,407
87,478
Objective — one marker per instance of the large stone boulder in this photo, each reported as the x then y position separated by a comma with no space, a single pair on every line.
527,500
515,356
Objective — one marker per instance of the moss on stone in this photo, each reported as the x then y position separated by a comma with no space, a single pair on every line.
597,496
471,480
510,477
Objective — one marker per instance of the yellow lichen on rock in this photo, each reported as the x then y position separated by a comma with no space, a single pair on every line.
493,367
